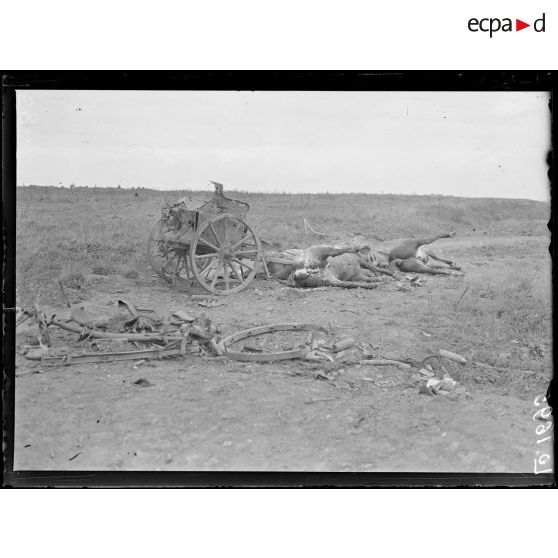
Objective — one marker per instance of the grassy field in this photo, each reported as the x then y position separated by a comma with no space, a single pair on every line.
74,232
210,414
70,234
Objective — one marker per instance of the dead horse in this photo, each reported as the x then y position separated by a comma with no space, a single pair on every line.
414,249
414,265
343,271
409,248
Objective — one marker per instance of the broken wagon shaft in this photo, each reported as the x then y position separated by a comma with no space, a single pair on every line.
95,334
386,362
270,356
83,319
124,355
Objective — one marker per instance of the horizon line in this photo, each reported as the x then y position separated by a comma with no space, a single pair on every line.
274,192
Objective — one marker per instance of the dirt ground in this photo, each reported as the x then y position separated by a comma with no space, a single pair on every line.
215,415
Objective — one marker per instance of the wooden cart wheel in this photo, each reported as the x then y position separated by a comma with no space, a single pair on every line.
166,259
224,254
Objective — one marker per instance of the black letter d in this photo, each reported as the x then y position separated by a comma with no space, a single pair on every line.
535,27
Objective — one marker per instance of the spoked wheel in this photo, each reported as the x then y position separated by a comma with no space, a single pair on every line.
224,254
167,259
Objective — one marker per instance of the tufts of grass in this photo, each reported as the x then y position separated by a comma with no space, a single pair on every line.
105,228
102,269
511,306
73,275
502,320
129,272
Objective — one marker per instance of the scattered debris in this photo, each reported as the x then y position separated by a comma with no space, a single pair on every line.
162,312
137,364
216,347
431,362
129,306
141,323
36,354
324,355
416,281
178,341
343,384
211,303
446,386
89,332
185,317
177,334
342,356
323,375
346,343
403,287
385,362
452,356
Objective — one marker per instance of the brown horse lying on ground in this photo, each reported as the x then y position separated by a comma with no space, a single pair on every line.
412,255
340,271
340,265
281,264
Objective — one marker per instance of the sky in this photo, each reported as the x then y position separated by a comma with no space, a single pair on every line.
474,144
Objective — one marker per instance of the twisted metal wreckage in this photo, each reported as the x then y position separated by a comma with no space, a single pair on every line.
209,243
168,334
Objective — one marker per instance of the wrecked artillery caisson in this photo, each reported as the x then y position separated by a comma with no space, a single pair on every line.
208,242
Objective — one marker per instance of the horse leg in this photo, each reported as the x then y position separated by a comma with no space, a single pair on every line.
412,265
371,267
350,284
421,241
368,277
448,262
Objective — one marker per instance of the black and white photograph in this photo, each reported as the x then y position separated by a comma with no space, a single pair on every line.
255,280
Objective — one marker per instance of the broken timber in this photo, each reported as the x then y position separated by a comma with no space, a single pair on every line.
95,334
125,355
386,362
